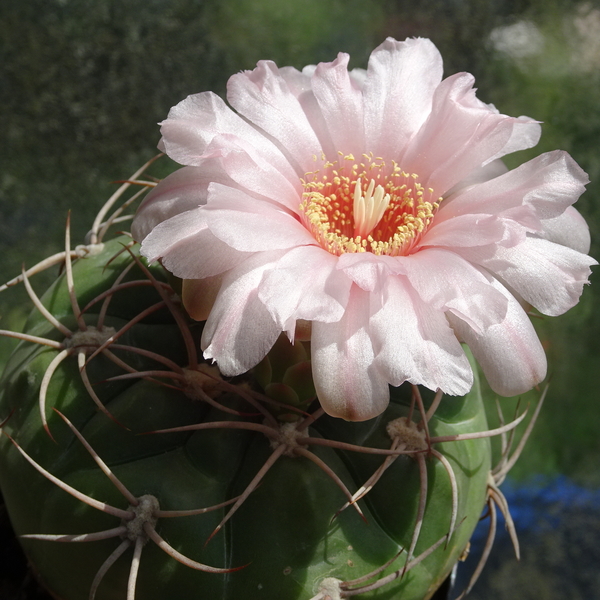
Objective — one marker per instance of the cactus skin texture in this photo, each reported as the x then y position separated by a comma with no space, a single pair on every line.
278,483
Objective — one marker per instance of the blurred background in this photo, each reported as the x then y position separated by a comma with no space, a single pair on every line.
83,84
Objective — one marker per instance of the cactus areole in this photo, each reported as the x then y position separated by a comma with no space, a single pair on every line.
108,504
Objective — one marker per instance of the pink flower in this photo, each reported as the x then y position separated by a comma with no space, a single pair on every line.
372,205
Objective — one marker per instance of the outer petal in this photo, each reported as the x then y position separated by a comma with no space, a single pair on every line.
525,133
509,353
413,342
188,248
252,225
347,382
467,231
489,171
358,77
547,275
298,81
240,331
317,121
242,165
445,281
398,90
170,232
305,285
568,229
340,103
461,135
194,122
183,190
548,184
264,97
368,270
199,295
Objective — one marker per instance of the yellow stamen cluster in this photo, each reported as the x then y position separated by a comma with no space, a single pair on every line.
366,206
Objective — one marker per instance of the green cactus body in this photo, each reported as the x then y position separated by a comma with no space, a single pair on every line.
285,538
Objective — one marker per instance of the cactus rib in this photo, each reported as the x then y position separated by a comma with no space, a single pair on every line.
126,516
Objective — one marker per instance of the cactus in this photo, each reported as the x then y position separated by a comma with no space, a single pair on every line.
365,218
131,468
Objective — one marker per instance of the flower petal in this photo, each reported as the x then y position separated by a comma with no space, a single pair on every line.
445,281
568,229
252,225
368,270
340,103
264,97
547,275
466,231
482,174
478,134
240,330
242,165
510,353
548,184
182,191
347,382
194,122
298,81
188,249
171,232
525,133
199,295
398,91
413,342
305,284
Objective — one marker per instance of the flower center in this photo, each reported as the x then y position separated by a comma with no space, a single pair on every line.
366,206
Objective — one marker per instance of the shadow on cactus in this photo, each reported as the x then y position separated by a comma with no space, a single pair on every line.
154,476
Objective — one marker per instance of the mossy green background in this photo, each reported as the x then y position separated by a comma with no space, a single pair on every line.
83,84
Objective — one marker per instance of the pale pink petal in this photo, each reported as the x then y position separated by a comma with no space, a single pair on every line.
548,184
194,122
368,270
183,190
305,284
171,231
358,77
478,132
264,97
568,229
526,133
485,173
188,249
198,295
398,90
252,225
470,230
547,275
445,281
347,382
340,103
413,342
251,173
240,330
298,81
318,123
510,353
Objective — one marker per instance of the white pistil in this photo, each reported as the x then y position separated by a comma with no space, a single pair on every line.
368,208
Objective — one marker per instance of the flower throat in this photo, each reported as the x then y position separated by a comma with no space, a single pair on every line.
367,206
